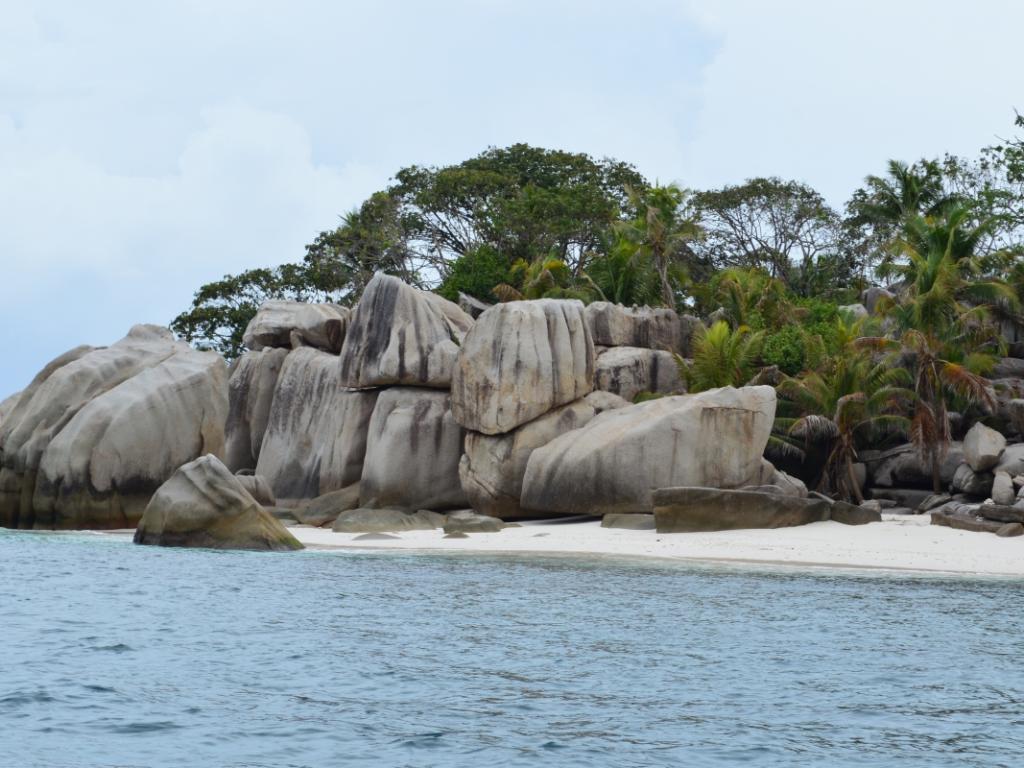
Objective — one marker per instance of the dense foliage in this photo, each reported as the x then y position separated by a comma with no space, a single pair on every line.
768,264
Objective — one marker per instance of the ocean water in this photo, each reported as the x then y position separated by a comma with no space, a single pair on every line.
117,655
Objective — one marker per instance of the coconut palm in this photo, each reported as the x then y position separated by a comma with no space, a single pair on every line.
748,296
626,275
544,278
722,357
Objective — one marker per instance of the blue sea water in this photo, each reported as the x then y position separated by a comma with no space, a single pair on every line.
117,655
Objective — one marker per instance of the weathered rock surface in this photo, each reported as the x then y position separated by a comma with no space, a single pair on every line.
966,480
1015,413
413,452
1003,491
614,464
204,505
1008,368
871,297
848,514
400,335
965,522
1010,530
982,447
629,521
492,469
1012,460
902,466
520,360
292,324
472,306
326,509
468,521
258,487
694,509
99,430
250,395
386,520
628,371
854,311
7,405
315,440
613,325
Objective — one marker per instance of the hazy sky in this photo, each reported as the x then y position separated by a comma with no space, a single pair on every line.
149,147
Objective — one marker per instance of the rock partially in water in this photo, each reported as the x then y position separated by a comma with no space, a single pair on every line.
413,452
687,510
315,441
387,520
99,430
399,335
250,395
492,469
204,505
520,360
614,464
293,324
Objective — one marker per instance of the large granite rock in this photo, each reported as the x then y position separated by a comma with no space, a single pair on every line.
1003,491
692,509
468,521
1012,460
966,480
99,430
613,325
400,335
519,361
7,405
615,463
628,371
292,324
1014,412
250,395
412,452
204,505
316,433
258,487
873,296
326,509
1008,368
387,520
982,447
902,467
848,514
492,469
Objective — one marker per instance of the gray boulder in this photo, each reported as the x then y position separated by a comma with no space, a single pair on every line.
965,521
616,461
1003,491
250,396
292,324
629,522
854,311
966,480
1015,412
628,371
472,306
902,466
1012,460
204,505
848,514
386,520
326,509
315,439
982,447
492,469
1003,513
1008,368
400,335
258,487
413,450
613,325
873,296
468,521
7,405
99,430
520,360
694,509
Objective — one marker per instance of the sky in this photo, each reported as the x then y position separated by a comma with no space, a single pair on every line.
148,148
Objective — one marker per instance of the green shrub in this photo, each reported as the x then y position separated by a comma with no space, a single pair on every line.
476,273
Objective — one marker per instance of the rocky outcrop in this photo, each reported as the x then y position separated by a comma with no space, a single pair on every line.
99,430
966,480
293,324
982,447
315,440
613,325
854,311
628,371
902,467
326,509
520,360
250,395
204,505
468,521
615,463
1012,460
387,520
258,487
1008,368
413,452
399,335
7,405
1003,491
629,521
692,509
472,306
492,469
874,296
848,514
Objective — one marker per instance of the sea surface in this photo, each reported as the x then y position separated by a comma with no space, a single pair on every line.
118,655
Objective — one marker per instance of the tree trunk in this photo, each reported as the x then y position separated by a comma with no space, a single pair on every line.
854,485
936,474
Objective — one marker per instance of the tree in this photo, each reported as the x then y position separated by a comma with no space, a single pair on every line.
783,227
747,296
625,275
660,231
524,202
722,357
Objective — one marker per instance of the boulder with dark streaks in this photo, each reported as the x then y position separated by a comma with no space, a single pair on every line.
628,371
613,325
250,395
292,324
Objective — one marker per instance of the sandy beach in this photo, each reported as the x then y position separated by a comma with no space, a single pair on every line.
899,543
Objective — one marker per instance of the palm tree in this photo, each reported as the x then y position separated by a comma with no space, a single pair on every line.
851,400
748,296
626,275
548,278
660,229
722,357
907,190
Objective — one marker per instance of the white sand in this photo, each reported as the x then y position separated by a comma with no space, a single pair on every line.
904,543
